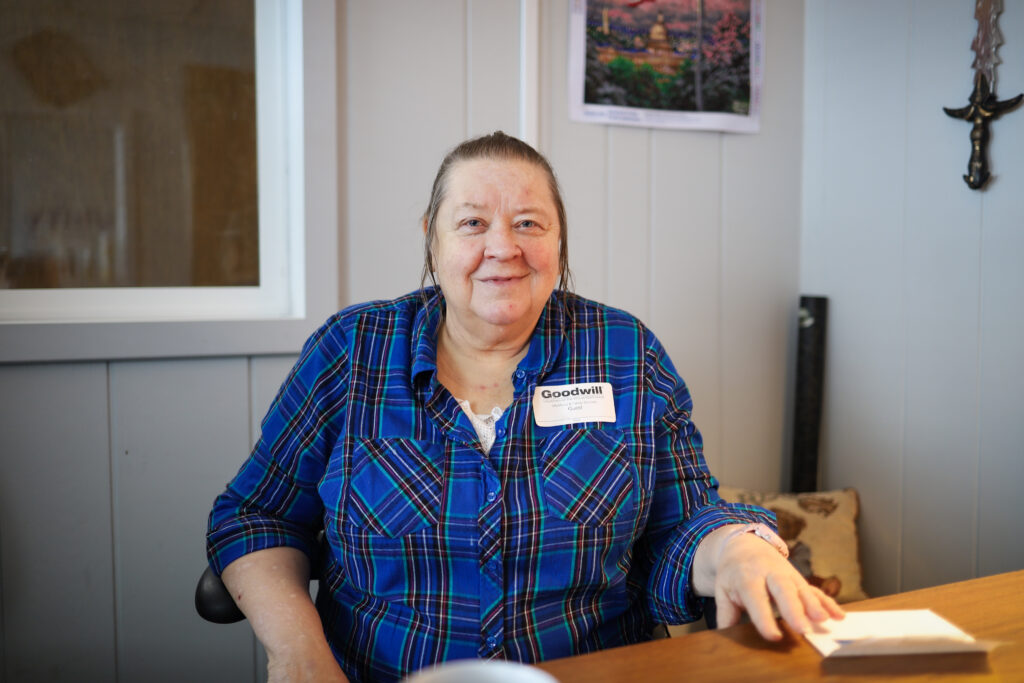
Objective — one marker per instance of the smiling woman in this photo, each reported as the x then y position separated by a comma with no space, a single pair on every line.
501,468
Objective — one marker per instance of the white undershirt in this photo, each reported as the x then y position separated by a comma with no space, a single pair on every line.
483,424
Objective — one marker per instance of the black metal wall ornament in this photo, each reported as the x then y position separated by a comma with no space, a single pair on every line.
983,105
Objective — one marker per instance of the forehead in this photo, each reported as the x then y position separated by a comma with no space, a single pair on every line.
493,181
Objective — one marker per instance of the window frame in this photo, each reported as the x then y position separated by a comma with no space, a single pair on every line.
220,321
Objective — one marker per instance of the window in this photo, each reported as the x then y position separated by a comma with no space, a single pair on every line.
150,160
266,304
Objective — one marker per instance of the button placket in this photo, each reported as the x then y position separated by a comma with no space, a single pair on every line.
492,583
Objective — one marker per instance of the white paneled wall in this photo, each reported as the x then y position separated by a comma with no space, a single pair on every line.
56,542
107,474
925,362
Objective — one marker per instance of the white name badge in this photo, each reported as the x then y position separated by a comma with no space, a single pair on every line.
561,405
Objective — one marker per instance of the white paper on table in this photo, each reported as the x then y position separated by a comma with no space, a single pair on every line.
891,632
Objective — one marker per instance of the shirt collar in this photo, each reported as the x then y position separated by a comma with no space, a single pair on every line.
548,336
424,333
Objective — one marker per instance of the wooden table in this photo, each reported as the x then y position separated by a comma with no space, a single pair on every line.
991,607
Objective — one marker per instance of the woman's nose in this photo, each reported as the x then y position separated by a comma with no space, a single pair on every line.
501,242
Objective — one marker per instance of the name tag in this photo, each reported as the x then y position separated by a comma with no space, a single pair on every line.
561,405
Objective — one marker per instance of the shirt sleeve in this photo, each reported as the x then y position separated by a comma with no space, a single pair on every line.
686,506
273,500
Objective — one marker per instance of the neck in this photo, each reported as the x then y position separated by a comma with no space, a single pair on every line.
476,369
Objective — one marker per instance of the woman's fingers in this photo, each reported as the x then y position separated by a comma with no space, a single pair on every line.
727,613
756,580
819,606
750,596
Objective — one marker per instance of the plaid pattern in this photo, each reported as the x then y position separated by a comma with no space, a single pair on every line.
563,540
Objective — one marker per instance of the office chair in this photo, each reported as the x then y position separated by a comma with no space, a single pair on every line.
214,602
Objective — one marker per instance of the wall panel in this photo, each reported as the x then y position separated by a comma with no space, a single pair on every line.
579,154
628,232
760,245
942,279
685,254
407,105
180,429
924,362
1000,474
492,78
56,546
856,242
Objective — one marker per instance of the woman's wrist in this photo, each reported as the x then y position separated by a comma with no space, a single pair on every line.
762,531
708,558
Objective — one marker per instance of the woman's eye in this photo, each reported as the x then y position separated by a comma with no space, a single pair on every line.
473,223
529,224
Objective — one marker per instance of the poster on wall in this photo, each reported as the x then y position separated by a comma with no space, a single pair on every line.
683,64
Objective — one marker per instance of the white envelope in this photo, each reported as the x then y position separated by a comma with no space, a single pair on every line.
892,632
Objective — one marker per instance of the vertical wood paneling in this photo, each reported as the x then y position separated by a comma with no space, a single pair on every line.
492,45
180,431
857,242
55,516
760,255
685,248
629,211
1001,430
942,280
578,153
406,85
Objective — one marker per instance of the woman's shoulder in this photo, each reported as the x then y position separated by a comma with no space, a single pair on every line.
405,306
588,312
376,315
586,318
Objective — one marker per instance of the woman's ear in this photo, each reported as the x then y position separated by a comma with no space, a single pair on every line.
424,225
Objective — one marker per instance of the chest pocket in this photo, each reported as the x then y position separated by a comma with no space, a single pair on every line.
396,486
589,476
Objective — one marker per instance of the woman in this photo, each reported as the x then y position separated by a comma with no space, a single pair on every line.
500,468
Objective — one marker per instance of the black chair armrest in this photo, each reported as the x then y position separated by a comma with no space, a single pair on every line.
214,602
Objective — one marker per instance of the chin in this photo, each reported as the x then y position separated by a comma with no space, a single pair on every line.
498,314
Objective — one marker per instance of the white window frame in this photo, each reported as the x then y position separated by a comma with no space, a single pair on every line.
297,124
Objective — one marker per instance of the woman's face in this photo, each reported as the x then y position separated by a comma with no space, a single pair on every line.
496,245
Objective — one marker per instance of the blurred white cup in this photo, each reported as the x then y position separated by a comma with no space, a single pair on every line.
481,671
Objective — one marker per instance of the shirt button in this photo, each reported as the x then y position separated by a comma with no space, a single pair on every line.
520,374
492,642
500,431
491,495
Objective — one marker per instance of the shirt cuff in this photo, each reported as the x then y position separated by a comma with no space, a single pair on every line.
243,535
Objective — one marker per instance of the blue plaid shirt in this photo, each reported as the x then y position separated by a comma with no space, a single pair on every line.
562,540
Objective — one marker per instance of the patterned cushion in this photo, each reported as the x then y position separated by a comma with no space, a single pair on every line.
821,531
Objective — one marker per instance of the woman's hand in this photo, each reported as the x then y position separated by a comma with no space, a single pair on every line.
746,574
